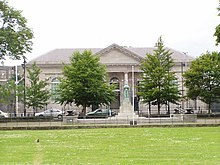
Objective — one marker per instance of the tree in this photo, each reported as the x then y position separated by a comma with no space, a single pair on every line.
36,93
84,82
203,80
15,36
217,30
8,91
217,34
158,85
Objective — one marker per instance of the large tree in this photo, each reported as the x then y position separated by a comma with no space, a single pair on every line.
203,80
36,93
85,82
15,36
158,85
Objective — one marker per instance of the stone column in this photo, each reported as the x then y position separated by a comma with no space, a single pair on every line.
126,78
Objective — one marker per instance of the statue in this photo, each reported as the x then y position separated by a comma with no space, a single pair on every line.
126,91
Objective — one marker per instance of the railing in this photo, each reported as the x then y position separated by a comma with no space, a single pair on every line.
49,122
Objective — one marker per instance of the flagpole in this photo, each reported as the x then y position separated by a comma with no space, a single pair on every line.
132,68
16,90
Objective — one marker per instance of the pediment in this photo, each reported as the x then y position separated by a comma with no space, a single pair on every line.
117,55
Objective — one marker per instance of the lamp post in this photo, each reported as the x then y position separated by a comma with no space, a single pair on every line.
16,91
182,88
132,71
24,69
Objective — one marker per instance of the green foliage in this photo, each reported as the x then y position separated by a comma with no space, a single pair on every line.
8,92
36,93
85,82
15,37
217,34
217,30
158,85
125,146
203,80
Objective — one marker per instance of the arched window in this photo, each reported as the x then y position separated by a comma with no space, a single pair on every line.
54,84
116,82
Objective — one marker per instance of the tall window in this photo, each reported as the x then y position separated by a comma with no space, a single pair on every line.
54,85
115,81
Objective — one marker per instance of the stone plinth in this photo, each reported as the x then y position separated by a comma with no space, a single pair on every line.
69,119
126,110
185,117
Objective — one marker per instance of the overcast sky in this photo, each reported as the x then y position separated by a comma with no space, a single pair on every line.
185,25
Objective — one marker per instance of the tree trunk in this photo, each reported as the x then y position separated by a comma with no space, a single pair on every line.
209,108
84,109
158,107
149,109
168,106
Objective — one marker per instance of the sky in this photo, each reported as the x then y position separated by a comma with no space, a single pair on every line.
185,25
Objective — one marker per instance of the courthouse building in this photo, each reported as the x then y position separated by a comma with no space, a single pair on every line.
119,61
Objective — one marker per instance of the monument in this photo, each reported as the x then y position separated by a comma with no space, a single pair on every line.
126,110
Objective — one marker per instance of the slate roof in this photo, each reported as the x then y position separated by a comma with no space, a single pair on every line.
58,56
177,55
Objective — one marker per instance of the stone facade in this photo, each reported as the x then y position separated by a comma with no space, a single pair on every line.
6,73
119,61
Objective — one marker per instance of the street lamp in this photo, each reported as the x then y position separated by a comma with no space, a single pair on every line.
24,69
182,88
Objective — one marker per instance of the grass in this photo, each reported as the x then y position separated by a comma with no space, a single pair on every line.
198,145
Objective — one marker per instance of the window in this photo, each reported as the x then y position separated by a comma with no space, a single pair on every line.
54,85
115,81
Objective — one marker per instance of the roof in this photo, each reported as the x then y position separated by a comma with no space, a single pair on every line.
176,55
58,56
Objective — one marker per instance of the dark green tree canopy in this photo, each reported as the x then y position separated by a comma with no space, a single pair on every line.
15,36
203,80
36,93
158,85
85,82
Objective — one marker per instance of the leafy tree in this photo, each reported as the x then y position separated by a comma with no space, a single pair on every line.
84,82
217,30
36,93
203,80
217,34
158,85
8,92
15,36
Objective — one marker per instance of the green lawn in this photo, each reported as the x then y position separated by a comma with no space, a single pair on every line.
199,145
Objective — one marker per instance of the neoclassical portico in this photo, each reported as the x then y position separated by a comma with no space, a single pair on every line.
122,78
119,61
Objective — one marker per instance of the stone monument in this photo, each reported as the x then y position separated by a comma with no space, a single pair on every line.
126,109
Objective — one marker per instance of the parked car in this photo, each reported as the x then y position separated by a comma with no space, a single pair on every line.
50,112
101,112
3,114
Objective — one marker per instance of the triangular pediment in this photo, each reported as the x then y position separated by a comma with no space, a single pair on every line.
115,54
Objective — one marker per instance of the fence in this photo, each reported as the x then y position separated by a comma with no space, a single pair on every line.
51,123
